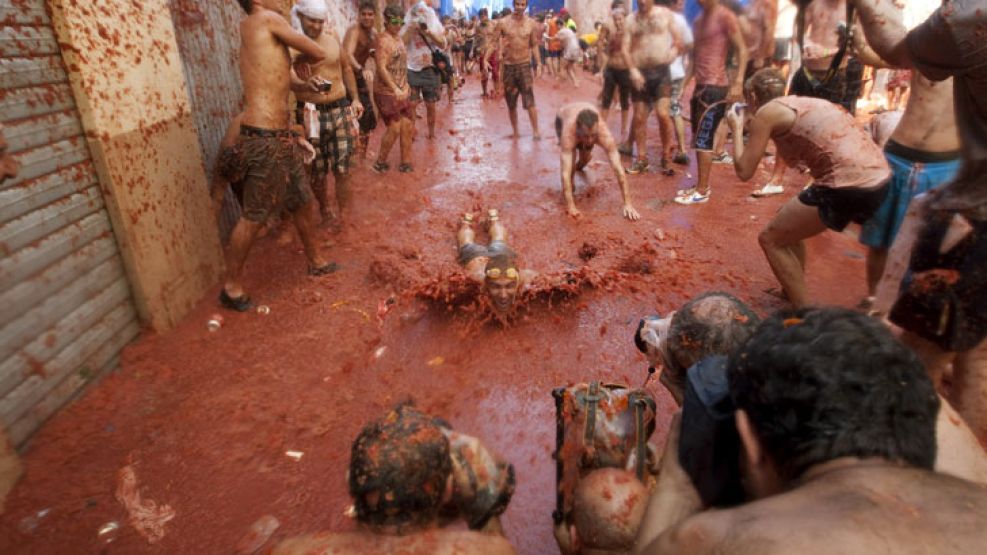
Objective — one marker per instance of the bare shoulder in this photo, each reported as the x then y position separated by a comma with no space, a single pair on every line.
472,543
775,115
727,532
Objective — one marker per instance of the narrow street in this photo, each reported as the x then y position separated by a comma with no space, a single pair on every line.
204,418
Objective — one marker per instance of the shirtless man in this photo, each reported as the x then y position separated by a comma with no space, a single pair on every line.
616,77
836,454
494,265
489,62
713,33
607,509
946,230
516,38
333,135
402,474
359,46
270,154
579,128
649,45
923,153
761,17
391,90
849,172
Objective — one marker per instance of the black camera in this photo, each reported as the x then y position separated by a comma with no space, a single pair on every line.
709,445
324,86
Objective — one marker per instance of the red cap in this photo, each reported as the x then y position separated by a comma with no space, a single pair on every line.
563,11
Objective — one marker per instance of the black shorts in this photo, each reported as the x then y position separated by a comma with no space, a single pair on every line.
708,107
368,121
616,79
468,49
943,294
839,207
470,251
657,84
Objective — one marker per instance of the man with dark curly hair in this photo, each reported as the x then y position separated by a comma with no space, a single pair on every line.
836,423
406,480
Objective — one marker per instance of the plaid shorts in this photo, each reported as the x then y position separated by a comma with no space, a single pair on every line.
336,139
518,81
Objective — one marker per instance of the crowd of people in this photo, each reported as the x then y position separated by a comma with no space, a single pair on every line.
813,423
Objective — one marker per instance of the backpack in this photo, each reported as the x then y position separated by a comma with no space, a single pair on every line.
599,426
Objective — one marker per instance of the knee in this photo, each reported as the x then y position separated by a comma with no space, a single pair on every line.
767,239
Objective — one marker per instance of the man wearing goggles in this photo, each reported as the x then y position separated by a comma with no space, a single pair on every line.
493,265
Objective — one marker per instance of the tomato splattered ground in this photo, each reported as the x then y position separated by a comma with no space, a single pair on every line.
203,420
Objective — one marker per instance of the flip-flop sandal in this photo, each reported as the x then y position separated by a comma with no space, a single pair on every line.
493,215
381,166
239,304
325,270
405,168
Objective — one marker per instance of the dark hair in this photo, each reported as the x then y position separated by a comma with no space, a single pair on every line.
483,11
664,2
767,84
823,383
247,5
399,466
392,10
714,323
368,5
587,118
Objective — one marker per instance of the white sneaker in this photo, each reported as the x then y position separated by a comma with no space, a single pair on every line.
724,158
694,198
768,190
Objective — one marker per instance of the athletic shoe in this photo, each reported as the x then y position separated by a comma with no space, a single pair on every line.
625,149
681,158
639,166
768,190
723,158
694,198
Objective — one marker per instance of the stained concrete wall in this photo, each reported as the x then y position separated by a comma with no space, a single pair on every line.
587,12
130,89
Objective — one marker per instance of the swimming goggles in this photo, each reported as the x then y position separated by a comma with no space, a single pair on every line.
396,21
495,273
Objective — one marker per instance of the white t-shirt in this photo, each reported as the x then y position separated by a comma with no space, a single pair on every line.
677,68
570,44
785,22
419,53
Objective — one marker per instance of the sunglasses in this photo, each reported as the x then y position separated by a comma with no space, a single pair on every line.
495,273
396,21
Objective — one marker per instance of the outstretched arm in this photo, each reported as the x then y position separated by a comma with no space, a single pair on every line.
885,31
607,142
565,166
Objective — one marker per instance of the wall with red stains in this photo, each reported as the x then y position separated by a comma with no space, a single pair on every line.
127,77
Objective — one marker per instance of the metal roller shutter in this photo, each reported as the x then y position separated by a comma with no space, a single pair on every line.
208,35
67,306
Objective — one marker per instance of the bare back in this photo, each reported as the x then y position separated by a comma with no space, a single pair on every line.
862,510
264,69
520,36
652,37
432,542
359,42
929,123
